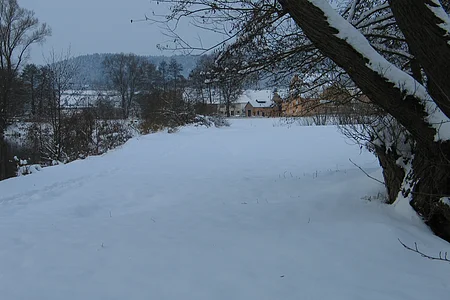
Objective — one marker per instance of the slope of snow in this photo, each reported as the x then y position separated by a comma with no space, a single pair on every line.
253,211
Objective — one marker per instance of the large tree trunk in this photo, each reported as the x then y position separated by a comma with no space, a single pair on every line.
3,158
393,174
424,24
432,177
428,41
124,107
3,122
405,101
7,169
407,109
227,108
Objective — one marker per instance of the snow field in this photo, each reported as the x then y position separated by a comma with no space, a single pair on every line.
253,211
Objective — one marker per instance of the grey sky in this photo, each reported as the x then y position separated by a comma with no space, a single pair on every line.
97,26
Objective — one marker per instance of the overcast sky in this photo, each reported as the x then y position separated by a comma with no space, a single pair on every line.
97,26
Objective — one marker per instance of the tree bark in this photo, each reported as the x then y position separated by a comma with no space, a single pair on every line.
392,173
5,165
428,41
430,178
407,109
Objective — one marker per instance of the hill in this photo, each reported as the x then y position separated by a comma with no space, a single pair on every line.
92,71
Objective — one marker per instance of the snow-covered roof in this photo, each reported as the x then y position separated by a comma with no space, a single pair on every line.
257,98
86,98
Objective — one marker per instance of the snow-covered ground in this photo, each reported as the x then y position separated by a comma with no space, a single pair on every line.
253,211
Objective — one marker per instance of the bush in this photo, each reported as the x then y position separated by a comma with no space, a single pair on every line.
110,134
209,121
164,109
80,135
23,168
76,132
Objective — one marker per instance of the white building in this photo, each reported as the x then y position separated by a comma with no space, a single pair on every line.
87,98
256,98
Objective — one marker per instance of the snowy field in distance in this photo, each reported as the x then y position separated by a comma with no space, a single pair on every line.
253,211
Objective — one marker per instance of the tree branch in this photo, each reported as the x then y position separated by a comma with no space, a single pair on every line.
442,255
371,177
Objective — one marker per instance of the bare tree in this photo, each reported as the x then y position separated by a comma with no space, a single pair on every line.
209,80
163,99
29,77
124,71
163,71
19,29
61,72
230,89
174,70
200,82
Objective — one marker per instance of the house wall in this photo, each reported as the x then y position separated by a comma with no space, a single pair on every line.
248,110
260,111
299,107
236,109
304,107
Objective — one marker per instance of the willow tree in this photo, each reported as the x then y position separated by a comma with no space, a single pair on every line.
396,52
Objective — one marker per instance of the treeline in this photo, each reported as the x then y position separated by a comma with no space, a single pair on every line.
154,94
19,30
66,120
63,119
92,69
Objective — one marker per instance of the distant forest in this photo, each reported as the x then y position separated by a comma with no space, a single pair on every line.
91,69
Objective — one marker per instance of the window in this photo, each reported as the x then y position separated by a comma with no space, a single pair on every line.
232,112
258,112
263,114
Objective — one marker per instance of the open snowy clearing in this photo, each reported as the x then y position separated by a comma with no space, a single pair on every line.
253,211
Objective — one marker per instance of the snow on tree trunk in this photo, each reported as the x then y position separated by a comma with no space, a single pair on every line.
426,27
398,94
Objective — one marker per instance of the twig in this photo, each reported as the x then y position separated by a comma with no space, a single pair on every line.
442,255
371,177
